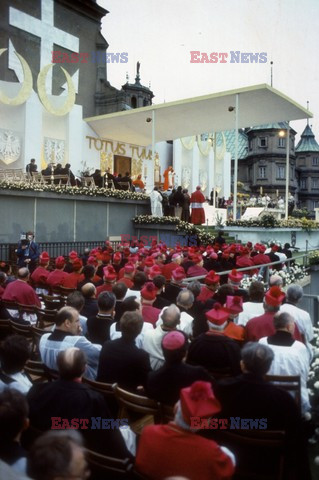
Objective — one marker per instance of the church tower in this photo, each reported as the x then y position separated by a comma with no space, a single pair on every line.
132,95
307,163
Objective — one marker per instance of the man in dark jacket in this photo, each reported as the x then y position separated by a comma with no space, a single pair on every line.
120,360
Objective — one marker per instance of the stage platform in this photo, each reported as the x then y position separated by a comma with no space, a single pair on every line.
58,217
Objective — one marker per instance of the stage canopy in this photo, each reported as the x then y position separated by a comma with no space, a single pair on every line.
258,105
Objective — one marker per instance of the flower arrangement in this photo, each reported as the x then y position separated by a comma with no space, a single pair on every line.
204,237
269,221
89,191
293,274
314,257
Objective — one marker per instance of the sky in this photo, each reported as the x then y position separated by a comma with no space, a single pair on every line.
160,34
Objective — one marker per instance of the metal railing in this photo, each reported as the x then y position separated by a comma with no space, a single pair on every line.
264,266
54,249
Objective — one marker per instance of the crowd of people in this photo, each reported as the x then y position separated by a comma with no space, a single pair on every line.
138,316
265,201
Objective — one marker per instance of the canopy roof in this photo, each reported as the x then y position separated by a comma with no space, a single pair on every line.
258,104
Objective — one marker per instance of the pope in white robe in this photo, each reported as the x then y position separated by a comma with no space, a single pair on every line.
156,203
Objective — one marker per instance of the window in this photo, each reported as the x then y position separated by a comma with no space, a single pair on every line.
302,161
262,172
303,183
292,172
250,145
315,204
315,161
250,173
263,141
281,172
281,142
315,183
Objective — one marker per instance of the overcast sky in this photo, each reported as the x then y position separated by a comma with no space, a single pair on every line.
161,33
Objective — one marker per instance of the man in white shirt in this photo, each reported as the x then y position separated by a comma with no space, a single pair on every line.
255,306
68,334
301,317
170,318
291,356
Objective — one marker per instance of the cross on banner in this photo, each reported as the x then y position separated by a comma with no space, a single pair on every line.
49,35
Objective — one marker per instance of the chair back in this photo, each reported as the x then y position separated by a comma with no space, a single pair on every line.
290,383
21,329
108,467
136,403
105,389
36,371
25,311
64,291
53,302
139,410
259,453
5,328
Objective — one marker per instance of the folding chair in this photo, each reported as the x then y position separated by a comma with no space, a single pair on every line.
290,383
148,410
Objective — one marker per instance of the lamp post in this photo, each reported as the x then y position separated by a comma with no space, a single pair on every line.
283,133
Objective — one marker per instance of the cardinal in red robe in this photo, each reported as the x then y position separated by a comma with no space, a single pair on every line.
198,212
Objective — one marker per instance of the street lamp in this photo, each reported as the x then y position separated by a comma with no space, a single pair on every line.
284,133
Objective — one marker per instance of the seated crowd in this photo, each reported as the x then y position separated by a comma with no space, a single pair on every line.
135,317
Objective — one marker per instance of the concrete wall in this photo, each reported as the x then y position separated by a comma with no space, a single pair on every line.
63,218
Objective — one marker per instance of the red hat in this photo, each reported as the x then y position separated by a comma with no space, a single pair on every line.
275,248
262,248
44,258
109,273
244,251
213,255
105,257
235,276
77,264
73,255
173,340
117,257
129,268
198,400
212,278
217,315
154,271
149,291
234,304
59,262
197,258
149,262
249,245
274,296
92,261
178,273
126,252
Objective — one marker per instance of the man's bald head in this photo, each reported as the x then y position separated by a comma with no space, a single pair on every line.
171,316
275,281
71,363
88,290
23,273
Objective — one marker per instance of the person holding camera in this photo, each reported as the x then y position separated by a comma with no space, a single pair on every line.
27,251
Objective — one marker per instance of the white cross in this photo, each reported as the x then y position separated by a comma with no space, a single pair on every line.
46,31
